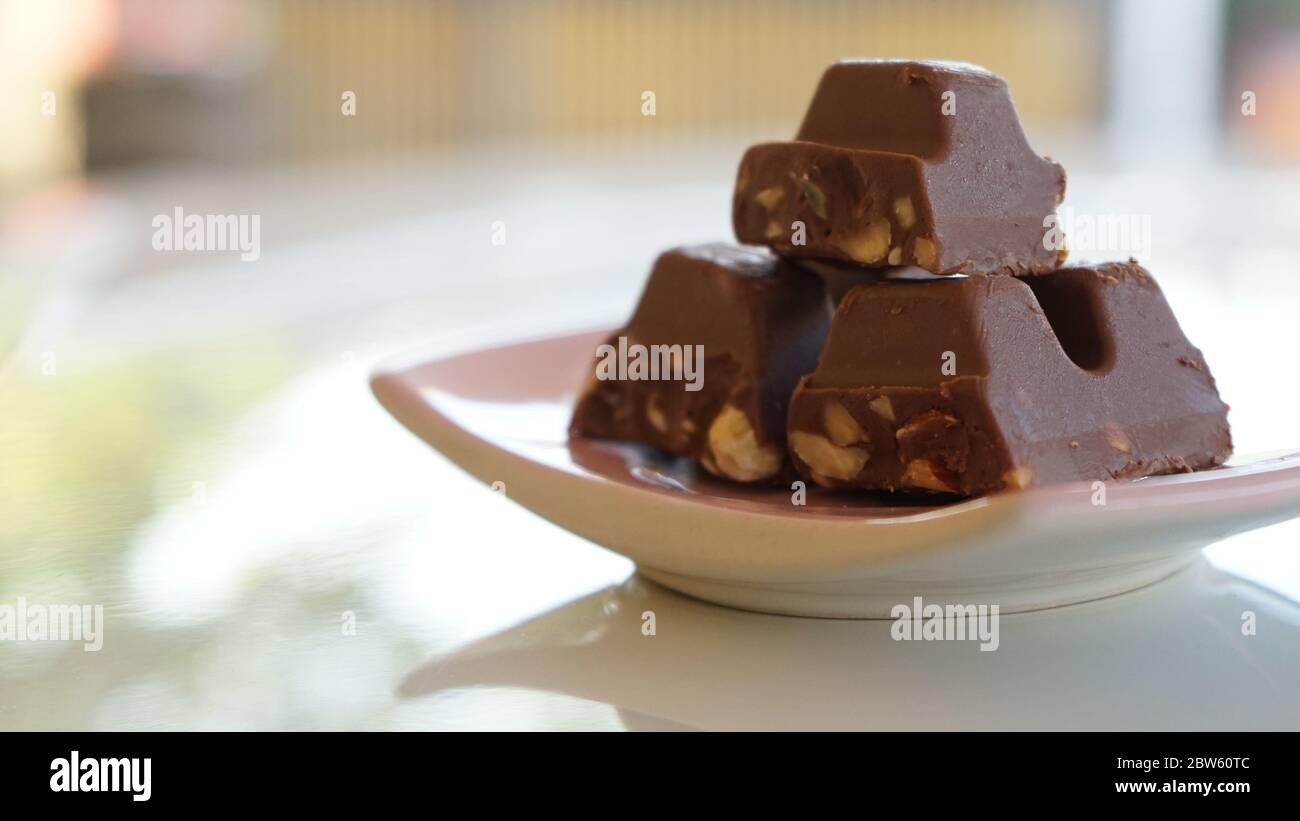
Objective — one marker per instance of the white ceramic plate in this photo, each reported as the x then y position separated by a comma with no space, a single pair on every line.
502,413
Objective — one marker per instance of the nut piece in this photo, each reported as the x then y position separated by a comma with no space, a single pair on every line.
816,198
1118,440
826,460
895,256
870,245
773,229
736,451
1018,478
926,424
923,252
769,197
742,178
937,437
904,212
840,425
655,415
823,480
883,408
923,473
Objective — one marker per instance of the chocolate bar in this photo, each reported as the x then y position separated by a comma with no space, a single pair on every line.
707,363
905,163
969,385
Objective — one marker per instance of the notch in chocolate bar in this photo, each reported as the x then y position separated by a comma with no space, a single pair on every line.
970,385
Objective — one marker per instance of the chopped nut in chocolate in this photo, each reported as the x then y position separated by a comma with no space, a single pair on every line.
883,176
760,323
1072,375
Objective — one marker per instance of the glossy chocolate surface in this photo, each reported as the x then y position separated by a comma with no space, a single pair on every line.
904,163
759,323
969,385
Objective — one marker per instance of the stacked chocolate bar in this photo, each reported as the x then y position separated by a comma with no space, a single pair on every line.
914,329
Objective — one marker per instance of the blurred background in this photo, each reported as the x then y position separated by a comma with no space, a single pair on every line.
240,82
188,437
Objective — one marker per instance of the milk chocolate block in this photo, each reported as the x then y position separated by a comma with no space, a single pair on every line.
728,331
969,385
904,163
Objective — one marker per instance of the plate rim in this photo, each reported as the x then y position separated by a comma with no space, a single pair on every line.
894,537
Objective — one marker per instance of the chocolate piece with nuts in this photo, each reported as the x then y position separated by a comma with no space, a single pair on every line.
760,323
904,163
969,385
